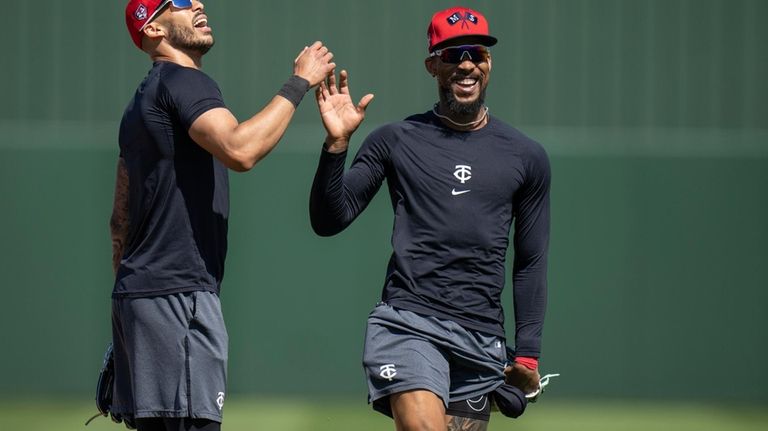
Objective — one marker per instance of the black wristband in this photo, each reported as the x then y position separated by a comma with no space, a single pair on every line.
294,89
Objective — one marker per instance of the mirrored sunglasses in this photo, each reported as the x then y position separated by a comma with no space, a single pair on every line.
457,54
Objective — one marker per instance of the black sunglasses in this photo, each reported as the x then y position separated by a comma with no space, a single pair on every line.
456,54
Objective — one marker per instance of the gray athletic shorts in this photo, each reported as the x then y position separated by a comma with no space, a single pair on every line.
170,356
406,351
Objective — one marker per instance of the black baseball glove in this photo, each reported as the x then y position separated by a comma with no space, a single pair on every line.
104,388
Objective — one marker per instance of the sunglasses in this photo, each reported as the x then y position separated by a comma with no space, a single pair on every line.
456,54
181,4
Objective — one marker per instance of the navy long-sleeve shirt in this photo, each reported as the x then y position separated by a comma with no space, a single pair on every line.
454,196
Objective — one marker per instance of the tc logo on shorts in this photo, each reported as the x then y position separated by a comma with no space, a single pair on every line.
220,400
463,173
388,371
141,13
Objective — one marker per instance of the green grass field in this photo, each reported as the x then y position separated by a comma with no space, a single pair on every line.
344,415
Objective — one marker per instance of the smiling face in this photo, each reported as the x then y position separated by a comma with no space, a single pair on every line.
187,28
461,85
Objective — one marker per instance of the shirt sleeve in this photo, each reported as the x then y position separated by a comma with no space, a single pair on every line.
193,93
531,243
337,198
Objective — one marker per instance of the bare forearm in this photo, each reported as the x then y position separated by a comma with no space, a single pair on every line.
259,135
119,223
241,145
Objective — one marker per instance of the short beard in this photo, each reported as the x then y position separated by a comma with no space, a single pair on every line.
461,109
183,38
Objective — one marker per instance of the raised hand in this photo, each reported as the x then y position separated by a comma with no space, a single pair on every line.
340,115
314,63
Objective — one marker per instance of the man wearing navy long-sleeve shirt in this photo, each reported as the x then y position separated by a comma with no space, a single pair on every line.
458,178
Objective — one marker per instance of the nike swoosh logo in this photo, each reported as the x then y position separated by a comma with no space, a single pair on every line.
475,404
461,192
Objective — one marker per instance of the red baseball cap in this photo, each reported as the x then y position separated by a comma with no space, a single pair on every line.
139,12
458,25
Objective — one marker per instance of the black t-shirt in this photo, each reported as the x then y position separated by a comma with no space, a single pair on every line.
454,196
179,193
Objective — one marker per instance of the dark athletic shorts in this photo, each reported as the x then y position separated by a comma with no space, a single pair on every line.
406,351
170,356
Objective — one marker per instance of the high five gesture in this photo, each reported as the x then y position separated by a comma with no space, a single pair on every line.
341,117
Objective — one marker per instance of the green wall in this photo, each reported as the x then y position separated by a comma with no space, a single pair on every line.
654,113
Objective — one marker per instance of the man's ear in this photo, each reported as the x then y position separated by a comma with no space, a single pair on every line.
152,35
429,64
154,30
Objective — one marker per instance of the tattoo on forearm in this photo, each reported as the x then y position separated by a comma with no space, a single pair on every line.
457,423
119,223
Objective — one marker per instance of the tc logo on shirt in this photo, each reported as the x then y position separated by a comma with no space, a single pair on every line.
463,173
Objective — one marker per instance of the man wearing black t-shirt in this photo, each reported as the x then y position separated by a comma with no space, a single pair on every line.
457,178
169,222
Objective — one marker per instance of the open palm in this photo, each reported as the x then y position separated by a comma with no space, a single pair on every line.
340,116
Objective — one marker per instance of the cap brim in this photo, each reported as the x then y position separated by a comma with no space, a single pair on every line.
466,39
